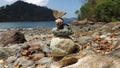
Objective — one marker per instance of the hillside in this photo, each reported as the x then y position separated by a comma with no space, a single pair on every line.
100,11
22,11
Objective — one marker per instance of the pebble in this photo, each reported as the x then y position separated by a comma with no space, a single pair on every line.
44,60
25,46
11,59
24,62
38,56
88,48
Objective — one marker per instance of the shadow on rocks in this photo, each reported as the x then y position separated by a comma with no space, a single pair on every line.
12,37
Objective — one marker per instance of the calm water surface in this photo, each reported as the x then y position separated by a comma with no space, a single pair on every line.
4,25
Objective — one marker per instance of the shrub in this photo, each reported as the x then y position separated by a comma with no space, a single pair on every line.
101,10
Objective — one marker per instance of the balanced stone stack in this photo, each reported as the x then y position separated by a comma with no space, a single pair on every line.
62,44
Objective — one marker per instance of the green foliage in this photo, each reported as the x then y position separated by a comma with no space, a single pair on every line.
87,12
77,12
22,11
101,10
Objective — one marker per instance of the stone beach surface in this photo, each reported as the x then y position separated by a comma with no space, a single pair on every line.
98,46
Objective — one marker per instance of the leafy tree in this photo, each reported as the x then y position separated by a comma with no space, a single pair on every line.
101,10
108,11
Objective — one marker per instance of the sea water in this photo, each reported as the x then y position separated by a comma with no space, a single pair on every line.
6,25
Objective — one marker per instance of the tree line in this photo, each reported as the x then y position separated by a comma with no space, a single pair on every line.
100,10
22,11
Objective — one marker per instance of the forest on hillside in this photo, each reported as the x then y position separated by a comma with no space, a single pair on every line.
100,10
22,11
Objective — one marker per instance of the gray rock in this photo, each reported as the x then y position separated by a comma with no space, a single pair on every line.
9,65
82,40
11,59
95,44
44,60
4,54
46,48
24,62
14,50
25,46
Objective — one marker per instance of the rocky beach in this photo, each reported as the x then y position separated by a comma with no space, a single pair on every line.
98,46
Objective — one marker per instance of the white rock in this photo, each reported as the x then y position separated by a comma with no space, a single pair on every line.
115,41
103,36
61,46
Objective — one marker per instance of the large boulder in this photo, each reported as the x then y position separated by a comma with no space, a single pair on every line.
61,46
96,61
12,37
